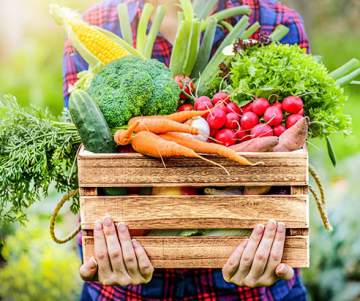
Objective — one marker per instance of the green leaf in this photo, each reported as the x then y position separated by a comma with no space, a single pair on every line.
331,152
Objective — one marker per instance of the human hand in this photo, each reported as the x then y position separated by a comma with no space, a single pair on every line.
118,259
257,261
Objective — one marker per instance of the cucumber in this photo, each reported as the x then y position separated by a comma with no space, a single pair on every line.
90,123
93,129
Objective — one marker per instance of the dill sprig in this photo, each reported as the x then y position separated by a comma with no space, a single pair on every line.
36,151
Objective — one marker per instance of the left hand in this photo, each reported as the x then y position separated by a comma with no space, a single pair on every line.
257,261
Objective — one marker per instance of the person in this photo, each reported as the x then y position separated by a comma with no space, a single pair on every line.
121,267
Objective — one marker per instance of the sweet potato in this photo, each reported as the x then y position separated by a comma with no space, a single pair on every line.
260,144
293,138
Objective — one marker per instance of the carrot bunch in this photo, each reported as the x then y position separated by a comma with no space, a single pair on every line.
161,137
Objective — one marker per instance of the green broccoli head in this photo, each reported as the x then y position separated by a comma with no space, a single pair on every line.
131,87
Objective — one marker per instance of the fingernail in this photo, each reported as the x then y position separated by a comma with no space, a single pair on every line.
98,225
93,263
135,243
281,227
122,228
260,228
271,224
108,221
281,268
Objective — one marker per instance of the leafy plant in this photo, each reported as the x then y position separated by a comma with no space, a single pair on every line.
35,151
37,269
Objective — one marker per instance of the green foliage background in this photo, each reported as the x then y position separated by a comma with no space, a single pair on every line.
32,72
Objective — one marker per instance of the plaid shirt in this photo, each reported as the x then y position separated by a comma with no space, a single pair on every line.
196,284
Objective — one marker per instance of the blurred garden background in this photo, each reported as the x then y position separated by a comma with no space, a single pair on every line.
32,267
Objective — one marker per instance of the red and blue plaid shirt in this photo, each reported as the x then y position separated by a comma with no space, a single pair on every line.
195,284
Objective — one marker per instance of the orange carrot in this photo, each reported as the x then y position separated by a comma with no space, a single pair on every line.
206,147
123,137
161,125
150,144
178,116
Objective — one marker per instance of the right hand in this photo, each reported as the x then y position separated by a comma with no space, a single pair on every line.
118,259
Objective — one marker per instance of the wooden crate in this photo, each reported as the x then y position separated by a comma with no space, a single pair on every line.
202,211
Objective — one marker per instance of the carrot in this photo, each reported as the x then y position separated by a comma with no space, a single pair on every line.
293,138
150,144
178,116
123,137
161,125
206,147
260,144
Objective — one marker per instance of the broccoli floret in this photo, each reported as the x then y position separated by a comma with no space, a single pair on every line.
131,87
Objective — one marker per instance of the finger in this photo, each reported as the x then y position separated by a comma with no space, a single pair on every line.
101,252
249,252
128,252
232,264
89,269
113,247
145,266
263,251
277,250
285,272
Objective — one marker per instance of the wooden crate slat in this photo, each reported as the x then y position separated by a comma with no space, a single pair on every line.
188,212
204,252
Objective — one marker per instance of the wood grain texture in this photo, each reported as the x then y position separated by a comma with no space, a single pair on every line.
88,191
188,212
204,252
132,169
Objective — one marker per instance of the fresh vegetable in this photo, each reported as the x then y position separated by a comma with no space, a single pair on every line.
155,28
123,137
259,106
93,43
206,147
292,119
203,103
141,37
261,144
249,120
232,121
242,135
90,122
293,138
232,107
186,107
292,104
286,70
225,137
221,97
125,24
178,116
202,126
37,151
131,87
216,119
278,130
261,130
273,116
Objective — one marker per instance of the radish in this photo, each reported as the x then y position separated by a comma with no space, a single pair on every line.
278,130
221,97
301,112
213,132
185,107
203,127
233,107
292,119
273,116
242,135
260,105
226,137
249,120
277,104
216,119
203,103
261,130
247,107
292,104
232,120
189,88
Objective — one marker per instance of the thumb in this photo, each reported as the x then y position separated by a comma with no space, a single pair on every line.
285,272
89,269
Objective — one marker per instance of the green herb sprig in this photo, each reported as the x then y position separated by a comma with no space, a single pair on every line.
36,150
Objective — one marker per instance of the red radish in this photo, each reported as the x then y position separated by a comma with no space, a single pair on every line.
189,88
277,104
232,121
213,132
247,107
260,105
185,107
222,106
242,135
233,107
278,130
221,97
180,81
216,119
261,130
273,116
301,112
292,104
203,103
292,119
226,137
249,120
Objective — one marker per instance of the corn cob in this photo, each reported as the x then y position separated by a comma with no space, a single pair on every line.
90,41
